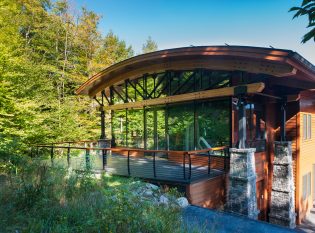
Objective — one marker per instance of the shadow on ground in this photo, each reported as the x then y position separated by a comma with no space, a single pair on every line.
205,220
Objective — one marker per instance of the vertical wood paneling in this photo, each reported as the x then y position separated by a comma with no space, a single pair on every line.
208,193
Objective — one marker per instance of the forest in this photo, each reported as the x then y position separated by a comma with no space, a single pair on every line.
49,48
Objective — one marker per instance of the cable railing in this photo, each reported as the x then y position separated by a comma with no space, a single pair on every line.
164,165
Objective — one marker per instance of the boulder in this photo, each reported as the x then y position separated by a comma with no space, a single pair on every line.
152,187
182,202
148,193
164,200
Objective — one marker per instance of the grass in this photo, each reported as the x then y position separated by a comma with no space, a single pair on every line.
45,199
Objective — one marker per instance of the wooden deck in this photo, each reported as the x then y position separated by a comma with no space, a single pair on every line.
165,170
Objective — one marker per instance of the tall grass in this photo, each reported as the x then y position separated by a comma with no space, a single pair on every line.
44,199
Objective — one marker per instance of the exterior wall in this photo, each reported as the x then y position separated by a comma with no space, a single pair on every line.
261,166
306,154
208,193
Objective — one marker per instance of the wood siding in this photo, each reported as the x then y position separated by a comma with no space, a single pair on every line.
306,153
208,193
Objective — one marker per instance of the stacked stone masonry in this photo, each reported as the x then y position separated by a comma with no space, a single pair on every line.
241,196
282,209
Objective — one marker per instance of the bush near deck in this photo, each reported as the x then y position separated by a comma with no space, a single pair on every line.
45,199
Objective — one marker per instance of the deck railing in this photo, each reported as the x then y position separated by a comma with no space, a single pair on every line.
168,165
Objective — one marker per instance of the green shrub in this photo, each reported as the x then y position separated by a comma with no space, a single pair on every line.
45,199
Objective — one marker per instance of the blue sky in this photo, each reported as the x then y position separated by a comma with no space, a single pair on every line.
178,23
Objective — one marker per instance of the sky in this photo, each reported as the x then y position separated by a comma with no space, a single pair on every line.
181,23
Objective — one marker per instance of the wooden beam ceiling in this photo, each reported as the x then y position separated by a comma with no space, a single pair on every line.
215,93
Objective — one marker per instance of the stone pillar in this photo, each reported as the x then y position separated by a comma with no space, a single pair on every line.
282,209
241,196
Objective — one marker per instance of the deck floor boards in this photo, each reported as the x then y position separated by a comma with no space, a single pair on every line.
165,170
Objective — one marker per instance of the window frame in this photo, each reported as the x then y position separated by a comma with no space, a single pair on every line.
307,126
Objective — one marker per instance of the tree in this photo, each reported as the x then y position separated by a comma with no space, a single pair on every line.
46,53
149,46
307,8
111,51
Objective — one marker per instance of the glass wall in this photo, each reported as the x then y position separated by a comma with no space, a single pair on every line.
213,124
155,137
135,128
255,124
187,126
119,128
181,127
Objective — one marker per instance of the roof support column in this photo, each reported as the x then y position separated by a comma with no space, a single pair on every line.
241,123
283,119
103,142
241,190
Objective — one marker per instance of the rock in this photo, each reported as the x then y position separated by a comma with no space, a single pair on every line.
148,193
164,200
182,202
98,176
152,186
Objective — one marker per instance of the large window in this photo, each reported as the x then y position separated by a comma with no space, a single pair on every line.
119,128
155,136
186,126
307,126
306,185
135,128
213,124
255,125
181,127
199,125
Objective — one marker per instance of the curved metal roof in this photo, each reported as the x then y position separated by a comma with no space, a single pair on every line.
275,62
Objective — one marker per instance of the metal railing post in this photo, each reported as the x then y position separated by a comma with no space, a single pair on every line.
209,162
104,158
87,159
128,162
52,155
189,159
154,171
68,156
184,164
225,160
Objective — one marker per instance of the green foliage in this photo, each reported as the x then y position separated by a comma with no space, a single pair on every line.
46,53
149,46
43,199
307,8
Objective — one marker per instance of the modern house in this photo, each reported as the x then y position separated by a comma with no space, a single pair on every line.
231,126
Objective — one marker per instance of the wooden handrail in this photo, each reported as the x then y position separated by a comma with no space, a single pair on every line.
120,149
72,142
206,150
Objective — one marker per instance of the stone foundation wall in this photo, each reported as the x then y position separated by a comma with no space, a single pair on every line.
282,208
241,197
